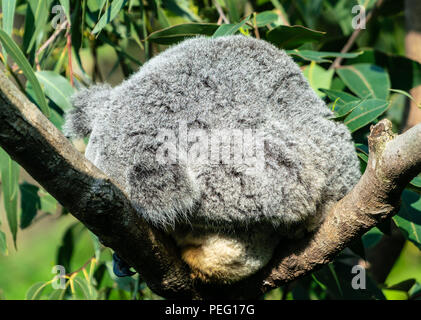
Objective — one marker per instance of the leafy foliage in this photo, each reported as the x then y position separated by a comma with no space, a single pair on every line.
107,40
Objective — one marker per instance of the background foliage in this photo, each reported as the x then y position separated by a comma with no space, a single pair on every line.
50,52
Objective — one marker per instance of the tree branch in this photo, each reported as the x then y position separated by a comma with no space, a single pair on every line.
33,141
100,204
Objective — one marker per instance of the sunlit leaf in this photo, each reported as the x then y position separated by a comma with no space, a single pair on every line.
57,88
109,15
318,77
9,178
35,292
40,13
3,243
229,29
88,291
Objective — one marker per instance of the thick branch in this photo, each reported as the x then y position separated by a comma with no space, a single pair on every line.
392,163
98,203
34,142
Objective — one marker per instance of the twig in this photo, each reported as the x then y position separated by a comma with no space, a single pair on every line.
221,12
82,267
60,28
354,37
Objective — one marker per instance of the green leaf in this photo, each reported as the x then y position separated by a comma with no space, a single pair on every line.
109,15
3,243
372,237
41,13
291,37
405,73
66,6
366,80
408,218
408,95
30,203
342,110
97,245
17,55
48,203
180,32
416,182
266,17
8,11
344,97
35,292
233,12
56,119
318,77
9,178
405,285
88,291
180,8
57,88
229,29
366,112
65,251
57,294
320,56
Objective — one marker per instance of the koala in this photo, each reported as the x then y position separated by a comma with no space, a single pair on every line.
221,143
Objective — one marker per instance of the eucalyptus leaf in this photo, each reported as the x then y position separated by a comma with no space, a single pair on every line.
405,73
408,218
266,17
318,77
229,29
17,55
57,88
109,15
180,32
366,80
3,243
9,178
291,37
365,113
35,291
30,203
321,56
344,97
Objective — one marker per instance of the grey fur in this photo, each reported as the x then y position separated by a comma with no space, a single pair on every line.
232,82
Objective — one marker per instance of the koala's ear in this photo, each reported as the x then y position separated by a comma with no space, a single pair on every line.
87,104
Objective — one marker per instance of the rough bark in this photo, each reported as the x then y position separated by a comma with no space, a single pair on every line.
99,203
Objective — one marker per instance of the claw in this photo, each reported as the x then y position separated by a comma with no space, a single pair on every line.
121,268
